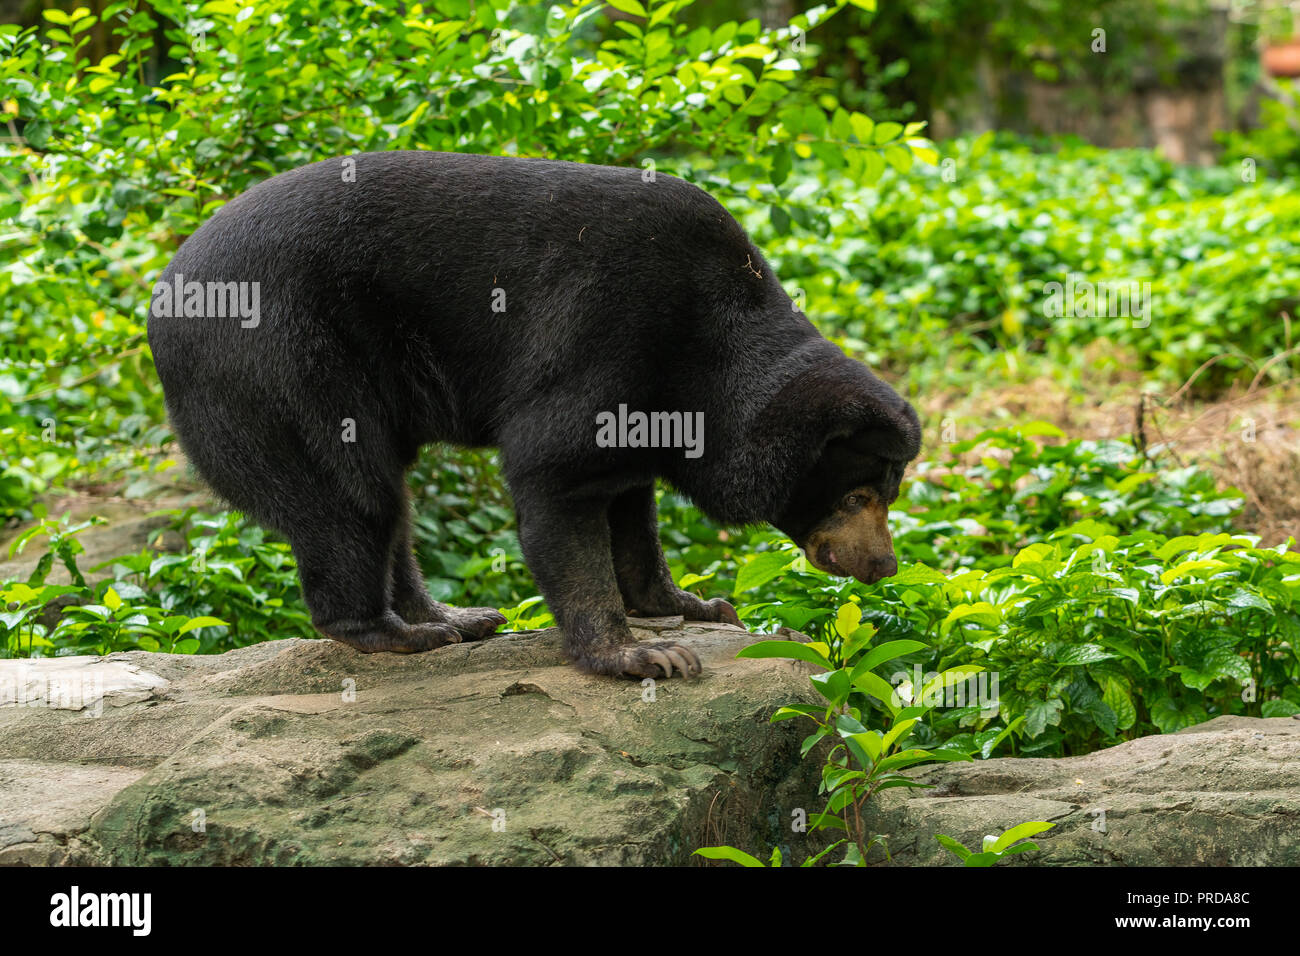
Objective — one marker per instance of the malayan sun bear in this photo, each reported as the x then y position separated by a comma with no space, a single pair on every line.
602,327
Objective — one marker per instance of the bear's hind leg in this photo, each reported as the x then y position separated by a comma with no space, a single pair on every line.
567,546
344,566
411,600
643,576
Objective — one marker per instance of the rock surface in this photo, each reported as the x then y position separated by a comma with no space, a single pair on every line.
498,752
1222,793
307,752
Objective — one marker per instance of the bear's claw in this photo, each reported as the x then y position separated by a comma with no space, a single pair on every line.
658,660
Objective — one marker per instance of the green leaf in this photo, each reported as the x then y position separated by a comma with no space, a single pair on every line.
878,687
914,755
862,127
1187,567
791,650
848,619
841,125
1245,600
729,852
197,622
1117,698
989,746
924,150
782,163
1021,848
813,860
981,145
918,574
853,645
1039,428
982,612
761,568
11,619
871,742
1042,713
946,679
899,157
887,133
883,653
812,740
1083,654
1279,708
834,686
1169,717
791,711
637,10
896,732
847,725
781,225
1019,833
1124,594
866,746
954,846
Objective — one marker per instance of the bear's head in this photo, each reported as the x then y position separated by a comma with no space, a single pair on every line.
837,510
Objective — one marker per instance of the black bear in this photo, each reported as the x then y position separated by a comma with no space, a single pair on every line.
602,327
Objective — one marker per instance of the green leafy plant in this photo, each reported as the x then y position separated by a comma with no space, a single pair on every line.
228,568
1006,488
995,848
745,859
944,275
861,761
1092,627
38,618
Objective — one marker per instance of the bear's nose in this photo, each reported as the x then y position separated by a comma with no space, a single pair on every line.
879,568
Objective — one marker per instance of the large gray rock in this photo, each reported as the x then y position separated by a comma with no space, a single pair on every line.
307,752
1223,793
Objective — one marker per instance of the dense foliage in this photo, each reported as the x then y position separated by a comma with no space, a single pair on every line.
915,269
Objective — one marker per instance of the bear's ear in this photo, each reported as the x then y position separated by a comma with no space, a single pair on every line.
881,422
890,433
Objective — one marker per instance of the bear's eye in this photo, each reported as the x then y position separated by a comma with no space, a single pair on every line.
852,501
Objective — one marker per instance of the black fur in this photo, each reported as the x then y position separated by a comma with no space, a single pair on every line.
376,306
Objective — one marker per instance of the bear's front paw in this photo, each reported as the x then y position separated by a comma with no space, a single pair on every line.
637,661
